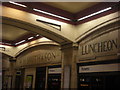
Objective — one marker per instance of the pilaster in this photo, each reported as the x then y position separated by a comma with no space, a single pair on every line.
69,73
12,71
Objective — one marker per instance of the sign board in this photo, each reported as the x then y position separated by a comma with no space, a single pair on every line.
99,68
39,57
55,71
99,46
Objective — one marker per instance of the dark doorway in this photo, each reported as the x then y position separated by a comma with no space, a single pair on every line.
19,80
40,78
99,81
91,83
54,82
112,82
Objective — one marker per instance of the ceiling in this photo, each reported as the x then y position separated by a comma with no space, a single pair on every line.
72,7
12,34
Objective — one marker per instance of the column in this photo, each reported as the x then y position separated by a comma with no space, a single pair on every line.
69,67
12,71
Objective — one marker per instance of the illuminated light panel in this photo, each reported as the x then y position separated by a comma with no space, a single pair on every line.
93,14
30,38
51,14
5,43
20,42
44,39
17,4
37,35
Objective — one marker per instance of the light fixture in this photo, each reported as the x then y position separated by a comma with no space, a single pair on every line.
20,42
51,14
37,35
30,38
7,43
17,4
93,14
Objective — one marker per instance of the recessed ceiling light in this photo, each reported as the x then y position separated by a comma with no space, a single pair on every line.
20,42
93,14
30,38
50,14
17,4
37,35
7,43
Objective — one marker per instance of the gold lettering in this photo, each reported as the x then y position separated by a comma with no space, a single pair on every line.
99,47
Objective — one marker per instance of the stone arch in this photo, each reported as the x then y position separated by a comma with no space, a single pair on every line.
35,45
40,54
28,21
36,29
104,27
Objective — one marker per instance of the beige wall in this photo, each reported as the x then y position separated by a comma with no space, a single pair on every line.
5,62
